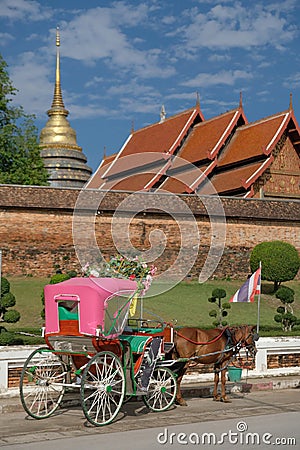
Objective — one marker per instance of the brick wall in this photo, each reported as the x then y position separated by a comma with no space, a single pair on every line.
36,228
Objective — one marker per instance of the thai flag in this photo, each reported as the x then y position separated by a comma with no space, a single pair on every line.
249,289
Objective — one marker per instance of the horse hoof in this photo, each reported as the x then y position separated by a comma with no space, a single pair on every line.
225,400
180,402
216,399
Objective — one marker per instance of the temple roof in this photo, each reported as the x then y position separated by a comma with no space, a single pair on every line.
96,179
207,138
255,139
181,182
251,151
203,145
187,154
150,147
237,180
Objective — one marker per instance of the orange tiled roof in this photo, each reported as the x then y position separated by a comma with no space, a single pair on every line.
96,179
239,179
255,139
134,182
181,182
230,152
206,138
162,139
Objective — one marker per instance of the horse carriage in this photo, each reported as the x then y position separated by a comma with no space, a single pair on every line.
95,347
90,347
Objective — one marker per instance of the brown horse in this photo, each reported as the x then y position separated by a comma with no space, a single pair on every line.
215,346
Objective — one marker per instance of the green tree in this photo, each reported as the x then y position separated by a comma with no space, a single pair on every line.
285,315
20,160
280,261
220,312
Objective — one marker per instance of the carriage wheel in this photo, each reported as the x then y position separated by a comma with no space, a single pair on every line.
162,390
102,388
42,383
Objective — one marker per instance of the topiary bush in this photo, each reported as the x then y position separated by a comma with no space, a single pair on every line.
280,261
220,312
7,315
5,286
285,315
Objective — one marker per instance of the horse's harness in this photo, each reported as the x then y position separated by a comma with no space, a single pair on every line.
201,343
230,345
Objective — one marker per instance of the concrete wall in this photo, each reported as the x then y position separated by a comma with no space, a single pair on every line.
12,360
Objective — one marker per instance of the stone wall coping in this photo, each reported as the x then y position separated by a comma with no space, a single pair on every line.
64,199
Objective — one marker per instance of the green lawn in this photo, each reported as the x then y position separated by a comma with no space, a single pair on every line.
28,301
188,305
185,304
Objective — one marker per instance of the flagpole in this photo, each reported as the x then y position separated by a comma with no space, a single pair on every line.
258,303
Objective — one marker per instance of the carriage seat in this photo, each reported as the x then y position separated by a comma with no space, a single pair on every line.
137,342
65,314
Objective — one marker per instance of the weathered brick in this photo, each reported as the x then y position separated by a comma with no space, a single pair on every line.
36,228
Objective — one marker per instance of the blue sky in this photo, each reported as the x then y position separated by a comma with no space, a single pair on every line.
120,61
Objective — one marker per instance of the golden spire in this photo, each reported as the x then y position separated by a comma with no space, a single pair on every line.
58,131
62,157
57,98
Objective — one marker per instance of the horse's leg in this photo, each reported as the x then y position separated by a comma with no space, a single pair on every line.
179,399
216,382
224,397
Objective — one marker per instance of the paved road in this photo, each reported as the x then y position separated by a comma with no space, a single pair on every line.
68,429
256,432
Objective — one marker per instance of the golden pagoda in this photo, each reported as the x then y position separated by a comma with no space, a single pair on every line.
63,158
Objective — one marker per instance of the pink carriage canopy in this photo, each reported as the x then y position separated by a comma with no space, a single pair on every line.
91,297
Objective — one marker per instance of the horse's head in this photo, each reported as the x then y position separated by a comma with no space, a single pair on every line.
246,336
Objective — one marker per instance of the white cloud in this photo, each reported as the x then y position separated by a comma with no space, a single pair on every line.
30,77
168,20
293,81
87,111
23,9
182,96
238,26
5,38
219,57
212,79
264,93
95,81
139,106
133,88
100,34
